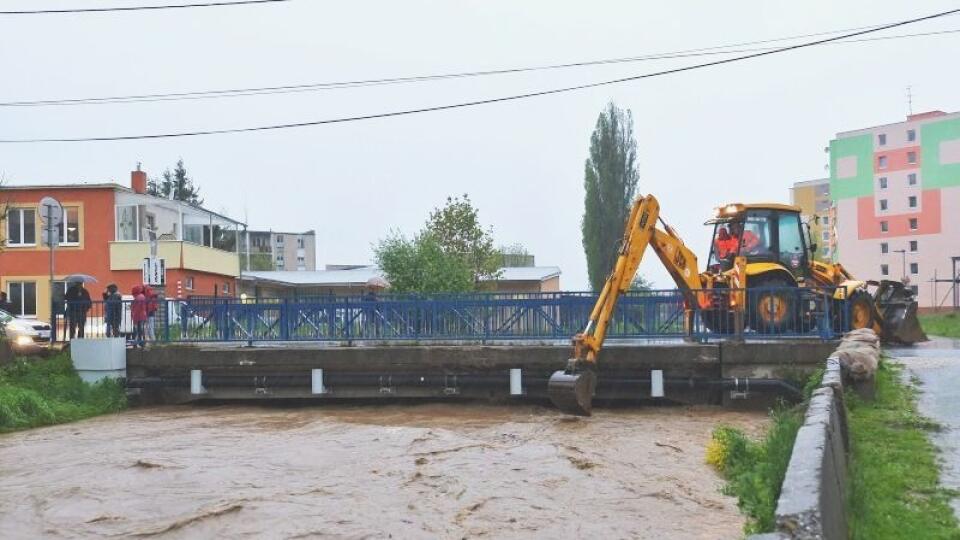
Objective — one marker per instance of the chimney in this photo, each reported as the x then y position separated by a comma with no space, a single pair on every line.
138,180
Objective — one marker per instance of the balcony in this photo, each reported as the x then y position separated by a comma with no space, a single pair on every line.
177,254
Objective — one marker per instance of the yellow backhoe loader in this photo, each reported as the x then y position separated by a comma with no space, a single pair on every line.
760,257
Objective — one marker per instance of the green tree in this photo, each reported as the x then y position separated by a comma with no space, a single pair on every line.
610,182
641,283
422,265
176,184
514,255
456,228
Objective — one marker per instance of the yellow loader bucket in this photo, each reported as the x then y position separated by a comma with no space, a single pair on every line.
898,311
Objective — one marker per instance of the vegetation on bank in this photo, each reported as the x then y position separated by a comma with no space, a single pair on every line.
43,391
754,469
894,475
941,324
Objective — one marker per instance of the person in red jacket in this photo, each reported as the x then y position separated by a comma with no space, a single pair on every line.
153,304
138,314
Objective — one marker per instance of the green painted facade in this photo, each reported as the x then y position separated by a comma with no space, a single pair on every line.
860,185
934,174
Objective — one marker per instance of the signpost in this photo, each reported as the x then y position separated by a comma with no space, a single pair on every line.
51,216
154,271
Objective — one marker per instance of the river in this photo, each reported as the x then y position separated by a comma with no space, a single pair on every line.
372,471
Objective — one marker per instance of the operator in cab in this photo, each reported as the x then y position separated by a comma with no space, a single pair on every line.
747,239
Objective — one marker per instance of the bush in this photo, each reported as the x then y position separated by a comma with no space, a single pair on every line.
38,392
754,470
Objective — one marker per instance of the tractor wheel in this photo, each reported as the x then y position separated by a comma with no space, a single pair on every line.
861,310
772,311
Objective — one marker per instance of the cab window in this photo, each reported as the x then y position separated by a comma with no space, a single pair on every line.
756,240
791,242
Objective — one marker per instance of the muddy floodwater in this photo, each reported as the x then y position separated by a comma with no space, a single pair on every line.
373,471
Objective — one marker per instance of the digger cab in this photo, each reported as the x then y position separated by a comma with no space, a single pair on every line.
768,236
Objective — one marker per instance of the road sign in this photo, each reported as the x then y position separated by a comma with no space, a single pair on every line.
51,209
154,271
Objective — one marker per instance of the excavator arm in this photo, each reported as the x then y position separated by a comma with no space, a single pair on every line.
572,389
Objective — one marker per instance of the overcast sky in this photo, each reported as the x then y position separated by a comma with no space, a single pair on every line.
743,131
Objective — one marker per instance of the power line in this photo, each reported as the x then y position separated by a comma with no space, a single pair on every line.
501,99
363,83
140,8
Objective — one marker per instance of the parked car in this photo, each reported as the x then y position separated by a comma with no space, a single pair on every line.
24,335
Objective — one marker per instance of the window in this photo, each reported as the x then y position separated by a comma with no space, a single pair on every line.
913,224
882,162
882,139
825,220
825,235
914,268
21,227
128,224
69,229
911,135
913,246
912,201
883,204
911,157
884,270
279,239
883,226
300,242
22,296
188,283
790,241
226,288
300,260
883,182
826,252
912,179
884,247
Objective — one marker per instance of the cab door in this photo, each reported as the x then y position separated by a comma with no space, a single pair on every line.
791,244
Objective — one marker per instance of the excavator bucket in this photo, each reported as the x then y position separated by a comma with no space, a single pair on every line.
571,390
898,309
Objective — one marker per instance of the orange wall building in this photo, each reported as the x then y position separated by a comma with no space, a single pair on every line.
107,232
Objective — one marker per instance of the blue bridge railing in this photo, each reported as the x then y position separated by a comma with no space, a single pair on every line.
707,315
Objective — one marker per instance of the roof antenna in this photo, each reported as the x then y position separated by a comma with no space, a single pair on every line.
909,101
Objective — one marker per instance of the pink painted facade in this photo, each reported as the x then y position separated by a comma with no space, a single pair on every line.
896,193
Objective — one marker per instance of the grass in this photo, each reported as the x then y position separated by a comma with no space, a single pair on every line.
37,392
941,324
894,475
754,469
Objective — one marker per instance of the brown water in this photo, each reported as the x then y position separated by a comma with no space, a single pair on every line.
412,471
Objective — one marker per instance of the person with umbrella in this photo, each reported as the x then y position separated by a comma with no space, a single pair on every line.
78,303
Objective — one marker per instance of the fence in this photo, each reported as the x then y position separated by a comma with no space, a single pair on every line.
788,312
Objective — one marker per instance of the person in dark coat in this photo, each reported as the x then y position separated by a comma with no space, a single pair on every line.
113,310
5,305
78,304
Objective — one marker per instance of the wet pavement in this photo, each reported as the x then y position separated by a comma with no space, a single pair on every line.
376,471
936,364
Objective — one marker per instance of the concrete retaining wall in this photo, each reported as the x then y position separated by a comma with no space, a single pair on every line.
812,502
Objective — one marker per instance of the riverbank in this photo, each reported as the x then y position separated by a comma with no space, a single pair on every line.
44,391
941,324
894,471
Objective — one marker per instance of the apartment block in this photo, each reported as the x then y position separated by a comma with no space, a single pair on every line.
813,198
278,251
896,191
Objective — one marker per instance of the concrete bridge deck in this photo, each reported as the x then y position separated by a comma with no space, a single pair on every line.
691,372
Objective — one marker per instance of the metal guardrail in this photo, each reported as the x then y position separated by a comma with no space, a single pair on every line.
700,315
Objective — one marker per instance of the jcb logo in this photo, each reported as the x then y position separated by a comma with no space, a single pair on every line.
643,219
